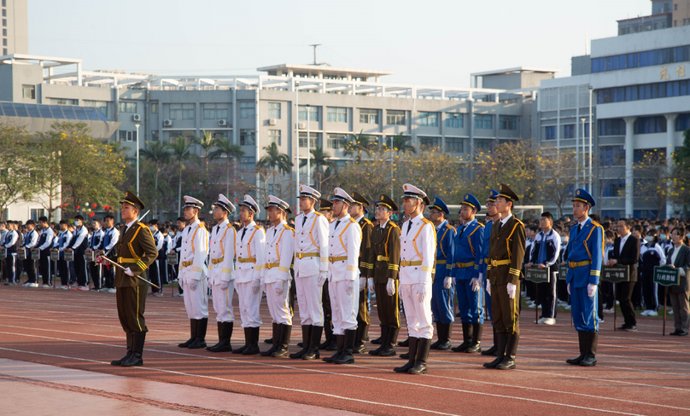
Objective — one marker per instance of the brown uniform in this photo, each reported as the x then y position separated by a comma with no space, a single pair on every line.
385,244
506,254
366,269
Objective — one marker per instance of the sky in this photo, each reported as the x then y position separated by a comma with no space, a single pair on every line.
421,42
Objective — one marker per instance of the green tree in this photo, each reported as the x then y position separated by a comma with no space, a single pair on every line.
181,152
401,144
274,162
159,155
651,178
357,144
207,142
224,149
322,165
21,169
512,163
555,176
680,175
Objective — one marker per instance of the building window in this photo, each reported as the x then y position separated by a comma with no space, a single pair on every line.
641,59
508,122
427,119
127,107
127,135
454,145
484,121
335,140
313,111
455,120
396,117
215,111
314,139
154,108
369,115
247,137
101,106
274,110
29,91
568,131
652,124
274,136
550,133
63,101
611,127
337,114
651,91
612,187
247,109
683,122
430,142
36,213
611,156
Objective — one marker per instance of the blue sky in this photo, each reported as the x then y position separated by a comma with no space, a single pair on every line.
427,42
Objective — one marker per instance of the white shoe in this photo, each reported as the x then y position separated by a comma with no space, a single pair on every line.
567,307
112,290
652,313
610,310
64,287
32,285
670,312
46,286
540,320
549,321
84,288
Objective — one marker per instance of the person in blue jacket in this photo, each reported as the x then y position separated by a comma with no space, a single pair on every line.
584,257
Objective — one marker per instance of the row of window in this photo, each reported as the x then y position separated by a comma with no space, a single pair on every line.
568,131
644,91
641,59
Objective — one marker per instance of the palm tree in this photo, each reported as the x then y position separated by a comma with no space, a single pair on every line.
324,166
159,154
275,162
181,152
358,144
401,144
207,142
231,152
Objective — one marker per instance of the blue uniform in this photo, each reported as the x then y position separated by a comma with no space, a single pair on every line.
467,260
442,299
584,256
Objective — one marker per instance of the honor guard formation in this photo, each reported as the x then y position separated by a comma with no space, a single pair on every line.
336,259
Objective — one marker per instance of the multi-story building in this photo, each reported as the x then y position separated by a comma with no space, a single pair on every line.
14,26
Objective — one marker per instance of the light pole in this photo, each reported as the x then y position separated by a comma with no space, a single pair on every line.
308,144
136,126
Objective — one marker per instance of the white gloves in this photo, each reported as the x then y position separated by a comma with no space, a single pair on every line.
420,291
488,287
370,284
511,290
476,284
362,283
390,287
448,282
568,288
256,286
591,290
224,284
193,284
280,288
323,277
129,272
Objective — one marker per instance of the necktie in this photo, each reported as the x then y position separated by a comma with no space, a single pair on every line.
579,228
409,227
462,231
336,225
275,230
217,228
244,231
304,220
500,224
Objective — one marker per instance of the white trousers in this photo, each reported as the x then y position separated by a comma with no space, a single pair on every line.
222,302
196,300
278,304
249,304
309,300
344,296
417,312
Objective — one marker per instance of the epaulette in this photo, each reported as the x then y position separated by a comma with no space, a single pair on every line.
287,227
480,224
352,220
393,224
427,221
368,221
519,222
596,224
450,227
317,213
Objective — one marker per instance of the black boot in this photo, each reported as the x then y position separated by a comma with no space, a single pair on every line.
475,345
134,358
412,354
329,343
272,340
444,337
405,343
383,341
421,357
581,342
224,335
340,345
283,341
492,350
466,338
589,359
508,362
129,351
346,357
359,347
193,324
315,338
252,342
200,340
275,338
247,337
306,334
388,349
501,341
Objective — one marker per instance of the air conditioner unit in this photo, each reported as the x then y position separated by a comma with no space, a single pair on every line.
222,123
136,118
167,123
272,121
302,125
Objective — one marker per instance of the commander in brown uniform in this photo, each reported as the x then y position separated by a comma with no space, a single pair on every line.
385,246
366,269
506,253
136,250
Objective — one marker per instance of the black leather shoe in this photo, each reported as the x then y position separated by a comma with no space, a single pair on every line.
490,351
119,362
588,361
474,348
134,360
508,363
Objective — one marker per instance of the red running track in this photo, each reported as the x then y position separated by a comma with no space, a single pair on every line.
639,373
